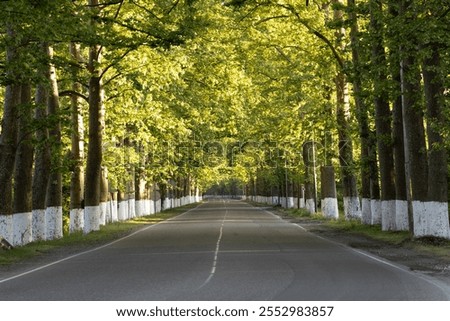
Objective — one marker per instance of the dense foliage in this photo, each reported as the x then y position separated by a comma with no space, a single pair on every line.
225,92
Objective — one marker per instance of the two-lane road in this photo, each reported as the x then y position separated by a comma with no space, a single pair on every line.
222,250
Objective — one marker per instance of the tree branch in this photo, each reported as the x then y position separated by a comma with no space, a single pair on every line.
71,93
316,33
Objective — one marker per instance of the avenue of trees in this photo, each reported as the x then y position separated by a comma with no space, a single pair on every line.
120,108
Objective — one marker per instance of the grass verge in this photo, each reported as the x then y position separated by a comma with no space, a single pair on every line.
428,245
78,240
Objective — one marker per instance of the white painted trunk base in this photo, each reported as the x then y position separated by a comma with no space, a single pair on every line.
310,205
140,208
103,210
22,228
76,220
330,207
91,219
53,223
6,227
401,215
431,219
296,202
375,206
366,211
388,219
301,203
123,211
151,206
108,215
131,208
352,208
158,206
290,202
38,225
166,204
114,211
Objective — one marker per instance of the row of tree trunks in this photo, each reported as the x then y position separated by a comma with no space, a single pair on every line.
24,205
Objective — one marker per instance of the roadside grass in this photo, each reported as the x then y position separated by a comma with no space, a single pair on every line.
428,245
371,231
106,234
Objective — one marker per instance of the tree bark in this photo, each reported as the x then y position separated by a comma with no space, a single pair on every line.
362,116
77,148
401,198
77,138
23,174
383,119
22,219
328,192
94,157
54,186
352,208
437,156
8,136
437,217
414,132
41,164
416,158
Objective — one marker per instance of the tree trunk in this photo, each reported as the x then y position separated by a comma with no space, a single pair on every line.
328,192
352,207
53,211
8,144
77,151
310,203
416,170
94,157
362,116
436,222
22,220
401,199
383,119
41,164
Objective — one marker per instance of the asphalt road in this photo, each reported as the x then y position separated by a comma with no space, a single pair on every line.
222,250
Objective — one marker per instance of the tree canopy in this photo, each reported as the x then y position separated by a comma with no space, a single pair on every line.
219,92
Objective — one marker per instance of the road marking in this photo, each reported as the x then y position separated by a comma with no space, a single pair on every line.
216,253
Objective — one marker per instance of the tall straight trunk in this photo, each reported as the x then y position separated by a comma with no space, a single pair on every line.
416,169
77,150
41,164
8,135
22,221
352,207
383,118
8,143
24,156
8,146
92,209
53,213
437,218
94,158
362,116
401,199
437,156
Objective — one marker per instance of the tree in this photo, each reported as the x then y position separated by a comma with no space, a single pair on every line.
383,118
